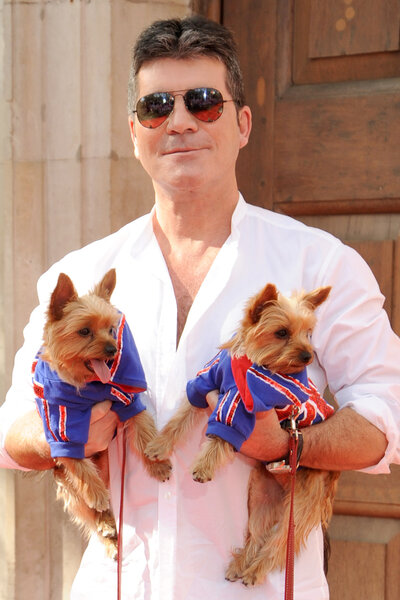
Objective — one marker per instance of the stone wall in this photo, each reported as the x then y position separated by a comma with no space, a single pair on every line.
68,176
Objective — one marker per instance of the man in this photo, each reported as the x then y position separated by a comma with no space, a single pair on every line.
183,275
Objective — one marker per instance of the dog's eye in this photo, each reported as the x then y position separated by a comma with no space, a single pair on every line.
282,334
112,331
84,332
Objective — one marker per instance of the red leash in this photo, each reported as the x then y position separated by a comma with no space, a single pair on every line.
121,515
289,574
289,465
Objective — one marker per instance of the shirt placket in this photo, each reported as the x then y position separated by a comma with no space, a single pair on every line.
167,492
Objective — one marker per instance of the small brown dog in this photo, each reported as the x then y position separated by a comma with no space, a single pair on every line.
262,367
89,355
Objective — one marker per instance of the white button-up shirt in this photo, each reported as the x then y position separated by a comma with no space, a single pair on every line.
178,535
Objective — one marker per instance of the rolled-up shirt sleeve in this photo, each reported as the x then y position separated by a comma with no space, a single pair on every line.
20,398
358,350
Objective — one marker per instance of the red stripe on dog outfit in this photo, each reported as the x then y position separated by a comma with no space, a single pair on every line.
221,406
38,389
232,409
117,358
120,396
208,367
45,405
277,386
309,412
63,423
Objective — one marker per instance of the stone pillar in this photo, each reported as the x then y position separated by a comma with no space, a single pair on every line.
68,176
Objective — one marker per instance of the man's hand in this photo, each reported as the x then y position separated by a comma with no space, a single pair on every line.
268,442
103,424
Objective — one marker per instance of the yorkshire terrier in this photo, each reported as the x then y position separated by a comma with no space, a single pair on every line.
89,355
262,367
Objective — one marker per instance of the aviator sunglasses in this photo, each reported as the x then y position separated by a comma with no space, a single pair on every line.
206,104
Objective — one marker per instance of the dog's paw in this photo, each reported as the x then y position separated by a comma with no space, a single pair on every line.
107,532
234,570
249,580
106,526
111,547
253,576
201,474
160,470
157,450
232,575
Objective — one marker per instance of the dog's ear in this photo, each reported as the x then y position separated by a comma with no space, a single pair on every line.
63,293
317,297
105,288
259,302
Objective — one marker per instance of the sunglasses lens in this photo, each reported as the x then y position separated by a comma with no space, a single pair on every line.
206,104
154,109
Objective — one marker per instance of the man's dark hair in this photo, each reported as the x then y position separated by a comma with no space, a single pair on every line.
190,37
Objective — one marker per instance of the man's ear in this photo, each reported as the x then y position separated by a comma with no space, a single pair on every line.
133,137
245,121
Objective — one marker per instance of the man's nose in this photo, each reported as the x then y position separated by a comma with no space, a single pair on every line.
181,120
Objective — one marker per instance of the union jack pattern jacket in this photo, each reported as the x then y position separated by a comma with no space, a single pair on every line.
65,411
246,388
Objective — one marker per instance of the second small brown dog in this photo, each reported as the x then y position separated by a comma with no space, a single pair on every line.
261,367
89,355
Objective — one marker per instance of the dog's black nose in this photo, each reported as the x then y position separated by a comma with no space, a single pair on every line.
305,357
110,350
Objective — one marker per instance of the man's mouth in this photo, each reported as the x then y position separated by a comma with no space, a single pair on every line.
183,150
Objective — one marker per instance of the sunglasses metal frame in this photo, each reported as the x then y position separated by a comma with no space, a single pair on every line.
193,110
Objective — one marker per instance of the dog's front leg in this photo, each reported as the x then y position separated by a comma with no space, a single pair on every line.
215,452
141,430
174,431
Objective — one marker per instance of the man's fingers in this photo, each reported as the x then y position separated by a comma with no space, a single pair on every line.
212,399
100,410
268,440
102,428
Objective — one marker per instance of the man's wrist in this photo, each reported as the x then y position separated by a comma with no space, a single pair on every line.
294,444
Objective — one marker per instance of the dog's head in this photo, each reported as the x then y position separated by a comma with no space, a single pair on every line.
276,330
79,333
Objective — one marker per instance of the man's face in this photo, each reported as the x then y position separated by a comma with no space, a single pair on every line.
184,154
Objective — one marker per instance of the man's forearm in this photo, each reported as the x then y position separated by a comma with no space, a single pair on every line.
346,441
26,443
27,446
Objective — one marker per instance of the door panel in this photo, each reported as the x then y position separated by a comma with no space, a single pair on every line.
336,149
333,37
326,130
323,81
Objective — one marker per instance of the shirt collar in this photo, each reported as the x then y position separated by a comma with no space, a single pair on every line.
238,216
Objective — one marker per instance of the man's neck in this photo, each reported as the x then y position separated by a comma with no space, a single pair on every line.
190,233
190,218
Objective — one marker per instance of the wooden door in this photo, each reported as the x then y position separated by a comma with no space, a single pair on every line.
323,82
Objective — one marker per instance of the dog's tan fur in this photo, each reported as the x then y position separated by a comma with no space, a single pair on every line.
82,484
275,333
